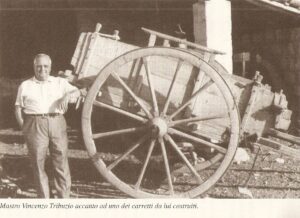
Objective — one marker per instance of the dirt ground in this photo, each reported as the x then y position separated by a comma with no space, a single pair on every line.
268,178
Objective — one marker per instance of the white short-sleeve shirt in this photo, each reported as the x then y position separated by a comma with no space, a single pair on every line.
39,97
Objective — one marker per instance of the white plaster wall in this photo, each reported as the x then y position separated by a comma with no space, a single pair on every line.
219,30
213,28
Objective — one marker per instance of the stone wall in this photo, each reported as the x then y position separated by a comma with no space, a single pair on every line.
281,48
8,93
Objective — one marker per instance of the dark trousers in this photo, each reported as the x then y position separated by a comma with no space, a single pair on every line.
40,134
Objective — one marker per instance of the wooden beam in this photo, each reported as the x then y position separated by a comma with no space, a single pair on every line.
284,136
279,147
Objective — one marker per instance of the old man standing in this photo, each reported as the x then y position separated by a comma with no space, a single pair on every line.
41,102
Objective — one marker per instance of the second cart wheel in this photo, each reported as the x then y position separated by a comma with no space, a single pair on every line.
167,119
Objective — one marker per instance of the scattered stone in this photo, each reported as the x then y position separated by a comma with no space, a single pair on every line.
279,160
186,145
241,156
271,153
256,175
12,185
200,160
26,194
5,181
245,191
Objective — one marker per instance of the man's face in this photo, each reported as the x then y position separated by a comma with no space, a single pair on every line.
42,68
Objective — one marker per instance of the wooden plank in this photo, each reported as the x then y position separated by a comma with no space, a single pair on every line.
260,117
182,41
278,147
82,53
285,136
87,56
210,103
249,109
77,51
152,40
212,129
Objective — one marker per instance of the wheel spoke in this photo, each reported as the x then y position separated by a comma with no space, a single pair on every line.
150,83
196,119
167,167
141,176
131,149
119,132
198,140
131,93
120,111
183,157
205,86
165,109
135,70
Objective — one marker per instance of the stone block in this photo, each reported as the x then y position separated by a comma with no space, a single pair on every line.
292,63
290,77
297,65
246,40
269,36
295,34
284,63
283,35
293,102
279,35
297,47
291,49
297,90
285,52
276,49
257,38
297,31
297,77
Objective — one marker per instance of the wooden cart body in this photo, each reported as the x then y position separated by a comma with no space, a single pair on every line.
94,51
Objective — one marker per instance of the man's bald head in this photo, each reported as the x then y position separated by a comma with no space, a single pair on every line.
41,55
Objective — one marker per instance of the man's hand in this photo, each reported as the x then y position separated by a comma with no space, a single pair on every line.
70,97
19,117
83,92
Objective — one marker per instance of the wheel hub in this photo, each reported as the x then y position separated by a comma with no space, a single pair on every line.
160,125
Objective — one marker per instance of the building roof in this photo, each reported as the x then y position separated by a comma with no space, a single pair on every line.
286,6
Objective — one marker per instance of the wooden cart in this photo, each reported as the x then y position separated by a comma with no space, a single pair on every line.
170,113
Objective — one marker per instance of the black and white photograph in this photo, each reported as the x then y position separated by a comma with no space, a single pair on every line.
150,99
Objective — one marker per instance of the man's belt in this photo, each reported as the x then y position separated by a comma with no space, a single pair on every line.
43,115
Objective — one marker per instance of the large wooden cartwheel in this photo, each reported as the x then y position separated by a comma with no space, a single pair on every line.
148,92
